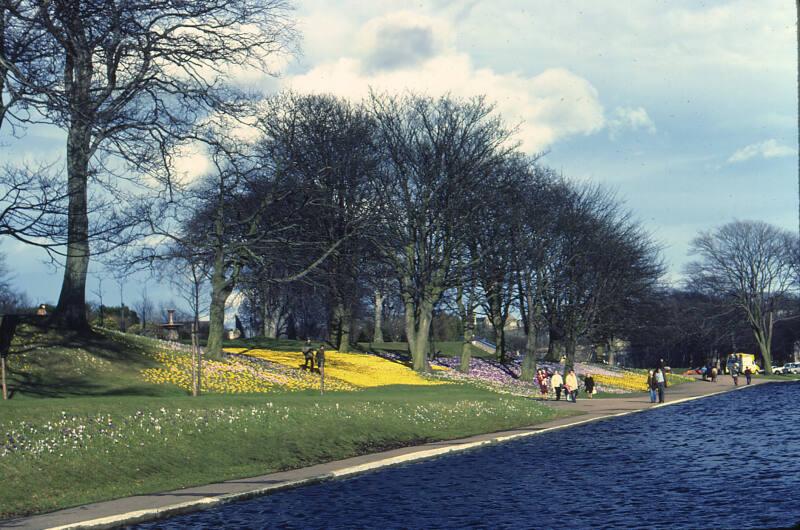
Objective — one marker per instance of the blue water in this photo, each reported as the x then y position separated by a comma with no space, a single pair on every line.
728,461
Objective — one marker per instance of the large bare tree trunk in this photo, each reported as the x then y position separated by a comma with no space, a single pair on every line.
270,326
763,335
377,335
71,308
530,314
466,346
221,289
555,346
467,314
570,344
342,322
529,361
418,326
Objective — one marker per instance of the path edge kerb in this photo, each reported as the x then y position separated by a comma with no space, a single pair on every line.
424,453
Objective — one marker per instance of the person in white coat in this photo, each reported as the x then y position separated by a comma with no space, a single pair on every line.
556,383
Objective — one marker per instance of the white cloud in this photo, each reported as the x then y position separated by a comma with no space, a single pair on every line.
766,149
630,119
191,162
549,106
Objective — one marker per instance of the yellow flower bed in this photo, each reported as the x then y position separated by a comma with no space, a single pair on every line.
634,381
358,370
627,381
237,375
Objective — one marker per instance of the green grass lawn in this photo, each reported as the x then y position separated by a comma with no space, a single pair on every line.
83,426
44,363
66,452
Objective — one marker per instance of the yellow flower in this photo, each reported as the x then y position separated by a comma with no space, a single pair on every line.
358,370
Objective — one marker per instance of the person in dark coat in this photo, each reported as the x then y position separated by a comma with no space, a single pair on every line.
308,355
588,384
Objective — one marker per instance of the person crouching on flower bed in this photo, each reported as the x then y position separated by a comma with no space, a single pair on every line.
556,383
571,384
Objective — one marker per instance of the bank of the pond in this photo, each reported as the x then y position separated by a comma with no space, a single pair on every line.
56,453
147,507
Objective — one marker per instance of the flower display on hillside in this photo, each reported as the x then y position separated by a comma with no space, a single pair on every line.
236,374
264,370
354,369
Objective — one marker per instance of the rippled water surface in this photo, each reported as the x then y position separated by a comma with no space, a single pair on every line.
728,461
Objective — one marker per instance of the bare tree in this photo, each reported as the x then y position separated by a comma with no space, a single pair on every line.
126,81
11,300
599,257
493,246
438,153
534,234
144,307
750,264
32,206
98,292
123,311
246,213
327,143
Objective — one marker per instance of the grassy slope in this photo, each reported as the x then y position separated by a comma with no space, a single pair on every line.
88,393
298,429
45,363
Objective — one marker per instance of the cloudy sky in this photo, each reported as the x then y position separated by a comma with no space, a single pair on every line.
687,108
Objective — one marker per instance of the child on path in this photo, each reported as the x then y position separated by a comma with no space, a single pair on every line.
556,382
748,374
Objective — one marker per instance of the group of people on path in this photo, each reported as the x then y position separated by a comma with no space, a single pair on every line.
734,369
712,370
552,381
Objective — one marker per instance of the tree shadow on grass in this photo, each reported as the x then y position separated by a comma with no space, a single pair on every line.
52,362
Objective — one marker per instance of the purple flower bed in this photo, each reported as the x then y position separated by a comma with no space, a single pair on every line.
504,378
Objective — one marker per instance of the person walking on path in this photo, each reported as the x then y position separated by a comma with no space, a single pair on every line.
588,384
661,383
571,384
734,370
321,368
748,374
556,382
652,387
308,356
541,379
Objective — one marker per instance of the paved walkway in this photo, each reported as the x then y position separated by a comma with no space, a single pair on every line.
119,512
